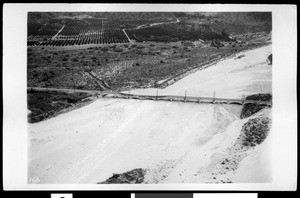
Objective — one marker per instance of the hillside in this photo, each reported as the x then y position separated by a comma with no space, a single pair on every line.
232,22
234,17
47,16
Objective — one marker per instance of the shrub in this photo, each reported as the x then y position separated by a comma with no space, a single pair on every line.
250,109
270,59
255,131
259,96
118,50
135,176
105,49
80,87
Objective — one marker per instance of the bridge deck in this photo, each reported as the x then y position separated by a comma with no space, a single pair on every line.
114,94
189,99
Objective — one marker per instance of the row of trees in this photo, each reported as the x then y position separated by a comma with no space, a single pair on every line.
175,32
77,42
83,34
84,37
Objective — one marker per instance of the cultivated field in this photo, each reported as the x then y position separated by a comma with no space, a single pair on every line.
125,66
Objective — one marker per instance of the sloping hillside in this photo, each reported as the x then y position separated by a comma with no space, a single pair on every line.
230,21
46,16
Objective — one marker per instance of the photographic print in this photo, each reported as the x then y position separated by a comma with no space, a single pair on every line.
149,97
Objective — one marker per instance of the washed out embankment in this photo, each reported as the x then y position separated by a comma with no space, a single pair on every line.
188,143
238,155
89,144
230,78
160,142
234,77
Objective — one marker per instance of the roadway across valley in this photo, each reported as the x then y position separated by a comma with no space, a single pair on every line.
114,94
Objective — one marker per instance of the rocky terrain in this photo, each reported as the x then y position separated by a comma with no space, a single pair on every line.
135,176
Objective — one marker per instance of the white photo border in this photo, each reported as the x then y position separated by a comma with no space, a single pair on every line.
284,123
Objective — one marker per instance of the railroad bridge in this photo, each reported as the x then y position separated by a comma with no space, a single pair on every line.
114,94
188,99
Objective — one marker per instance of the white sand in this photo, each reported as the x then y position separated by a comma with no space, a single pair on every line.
110,136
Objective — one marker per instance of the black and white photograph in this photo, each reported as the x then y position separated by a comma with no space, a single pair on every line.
154,97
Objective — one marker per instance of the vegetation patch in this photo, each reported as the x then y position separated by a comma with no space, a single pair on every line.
250,109
270,59
135,176
173,33
44,104
255,131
